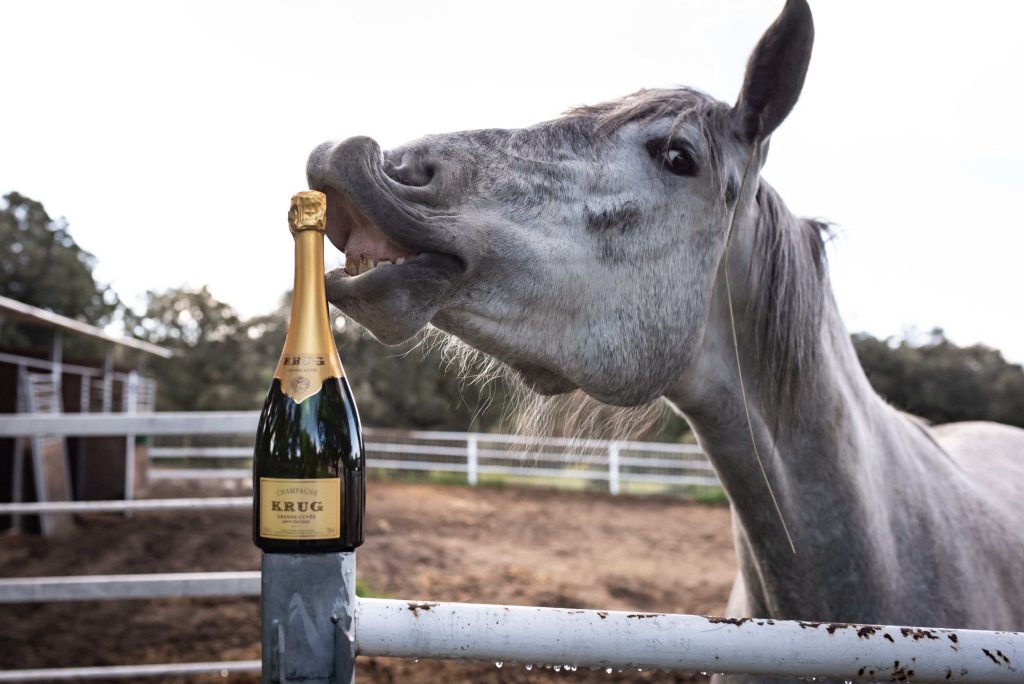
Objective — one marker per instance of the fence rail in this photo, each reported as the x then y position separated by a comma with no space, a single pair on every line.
120,587
622,465
129,671
120,506
689,643
313,623
568,638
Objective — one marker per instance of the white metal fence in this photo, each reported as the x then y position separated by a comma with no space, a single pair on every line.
207,445
328,612
620,466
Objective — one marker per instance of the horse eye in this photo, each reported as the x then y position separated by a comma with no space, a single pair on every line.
679,162
674,158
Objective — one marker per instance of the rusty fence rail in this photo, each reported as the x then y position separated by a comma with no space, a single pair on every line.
612,640
314,625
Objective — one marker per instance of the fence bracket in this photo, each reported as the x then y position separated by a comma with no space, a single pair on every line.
304,636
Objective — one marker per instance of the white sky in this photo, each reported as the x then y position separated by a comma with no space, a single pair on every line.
171,134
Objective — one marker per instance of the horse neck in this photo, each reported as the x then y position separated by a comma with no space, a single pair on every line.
824,447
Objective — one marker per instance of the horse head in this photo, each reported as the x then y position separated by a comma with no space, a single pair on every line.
582,252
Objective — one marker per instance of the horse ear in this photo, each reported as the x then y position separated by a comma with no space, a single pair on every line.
775,72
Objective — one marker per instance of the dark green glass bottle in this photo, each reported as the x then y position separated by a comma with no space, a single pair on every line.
308,465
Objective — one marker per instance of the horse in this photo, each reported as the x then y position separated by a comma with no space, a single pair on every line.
632,251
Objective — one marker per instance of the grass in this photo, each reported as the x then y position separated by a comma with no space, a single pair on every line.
364,590
712,496
439,477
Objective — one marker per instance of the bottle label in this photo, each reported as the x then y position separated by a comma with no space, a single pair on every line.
300,509
302,375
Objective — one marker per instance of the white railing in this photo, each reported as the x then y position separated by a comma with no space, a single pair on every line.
622,466
101,390
108,672
556,638
559,637
122,587
308,601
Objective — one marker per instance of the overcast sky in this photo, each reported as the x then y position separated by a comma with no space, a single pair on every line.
171,134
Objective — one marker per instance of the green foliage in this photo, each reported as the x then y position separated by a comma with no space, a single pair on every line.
42,265
223,362
942,382
364,590
709,496
226,362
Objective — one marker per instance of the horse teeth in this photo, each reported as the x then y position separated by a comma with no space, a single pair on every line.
357,266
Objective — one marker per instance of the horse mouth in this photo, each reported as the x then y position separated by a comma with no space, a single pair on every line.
401,258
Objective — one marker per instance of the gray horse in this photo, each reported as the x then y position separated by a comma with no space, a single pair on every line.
609,251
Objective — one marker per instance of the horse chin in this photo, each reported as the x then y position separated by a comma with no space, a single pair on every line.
541,380
395,302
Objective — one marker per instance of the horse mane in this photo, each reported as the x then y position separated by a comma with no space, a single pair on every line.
788,273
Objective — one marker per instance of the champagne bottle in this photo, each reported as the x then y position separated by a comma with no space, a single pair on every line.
308,466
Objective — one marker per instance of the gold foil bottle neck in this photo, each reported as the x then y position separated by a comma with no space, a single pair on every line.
309,356
308,211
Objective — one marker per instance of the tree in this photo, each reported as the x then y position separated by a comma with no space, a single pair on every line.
214,367
943,382
226,363
42,265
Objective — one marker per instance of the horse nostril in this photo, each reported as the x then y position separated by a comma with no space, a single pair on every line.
411,170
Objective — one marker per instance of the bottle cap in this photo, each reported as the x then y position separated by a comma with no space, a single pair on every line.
307,212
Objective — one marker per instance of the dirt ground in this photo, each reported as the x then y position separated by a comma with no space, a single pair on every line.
515,545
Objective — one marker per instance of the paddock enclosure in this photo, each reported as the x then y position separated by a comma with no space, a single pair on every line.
590,553
513,545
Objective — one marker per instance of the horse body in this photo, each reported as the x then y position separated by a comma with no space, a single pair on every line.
609,252
891,522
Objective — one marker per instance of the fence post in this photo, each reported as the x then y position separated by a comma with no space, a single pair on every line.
308,604
613,467
472,460
130,399
108,381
